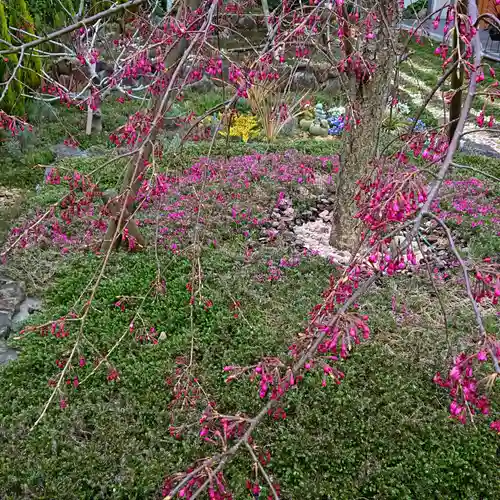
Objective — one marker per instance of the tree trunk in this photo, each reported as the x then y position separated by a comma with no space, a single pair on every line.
368,100
457,80
138,163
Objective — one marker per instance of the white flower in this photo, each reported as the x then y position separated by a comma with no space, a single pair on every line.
403,108
336,111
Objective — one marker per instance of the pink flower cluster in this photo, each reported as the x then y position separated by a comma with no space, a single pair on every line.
388,196
217,489
487,282
463,386
133,132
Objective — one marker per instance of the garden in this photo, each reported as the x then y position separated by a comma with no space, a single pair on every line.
248,250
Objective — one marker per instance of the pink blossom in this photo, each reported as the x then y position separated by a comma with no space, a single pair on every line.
482,356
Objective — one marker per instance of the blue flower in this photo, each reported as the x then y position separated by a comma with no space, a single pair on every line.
420,125
336,125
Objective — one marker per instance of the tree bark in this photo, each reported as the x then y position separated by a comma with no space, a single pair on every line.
457,79
365,114
138,163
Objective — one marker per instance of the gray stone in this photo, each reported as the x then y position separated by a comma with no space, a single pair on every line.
288,129
331,86
304,81
204,85
5,322
317,130
63,151
422,14
11,296
305,124
325,215
473,147
7,354
26,308
247,22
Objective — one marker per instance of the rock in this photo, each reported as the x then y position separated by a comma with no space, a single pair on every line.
26,308
204,85
289,212
162,337
324,123
289,235
11,296
247,22
7,354
315,237
422,14
478,148
302,80
289,128
9,197
331,86
325,215
305,124
97,150
63,151
322,71
317,130
5,322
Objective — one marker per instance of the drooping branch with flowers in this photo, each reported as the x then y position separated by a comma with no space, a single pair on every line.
381,202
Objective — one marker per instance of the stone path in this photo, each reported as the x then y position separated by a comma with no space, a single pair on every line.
479,142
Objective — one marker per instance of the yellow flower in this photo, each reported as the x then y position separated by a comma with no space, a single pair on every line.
244,126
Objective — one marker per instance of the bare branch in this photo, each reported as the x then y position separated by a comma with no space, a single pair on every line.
72,27
12,77
477,170
262,470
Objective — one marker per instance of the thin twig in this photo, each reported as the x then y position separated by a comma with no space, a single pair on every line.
465,271
477,170
72,27
438,295
262,470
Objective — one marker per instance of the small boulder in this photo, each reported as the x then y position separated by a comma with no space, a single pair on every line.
317,130
202,86
331,86
304,81
247,22
325,215
7,354
62,151
11,296
305,124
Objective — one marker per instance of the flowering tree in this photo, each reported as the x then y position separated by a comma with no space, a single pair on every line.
369,49
379,193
